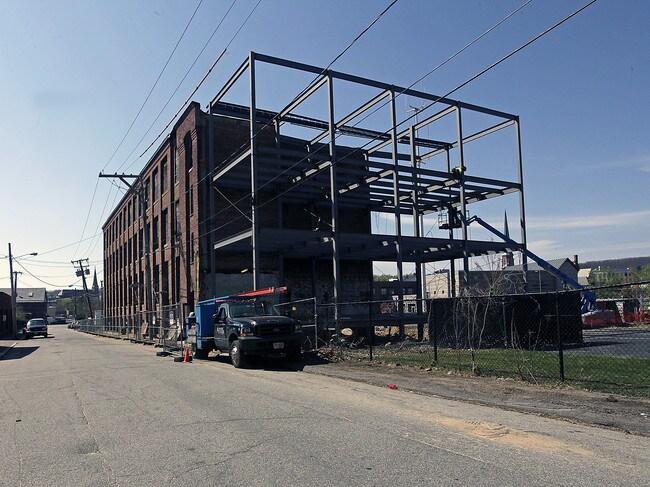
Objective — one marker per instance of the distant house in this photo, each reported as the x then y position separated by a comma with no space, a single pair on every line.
384,290
602,275
31,302
539,280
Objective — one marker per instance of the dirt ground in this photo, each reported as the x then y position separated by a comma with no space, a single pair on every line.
623,413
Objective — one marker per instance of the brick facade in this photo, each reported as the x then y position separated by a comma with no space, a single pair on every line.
182,228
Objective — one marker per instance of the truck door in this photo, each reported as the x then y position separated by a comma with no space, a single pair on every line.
220,329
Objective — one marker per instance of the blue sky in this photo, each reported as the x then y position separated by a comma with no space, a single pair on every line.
73,75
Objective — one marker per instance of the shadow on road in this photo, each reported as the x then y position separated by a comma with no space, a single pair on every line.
275,364
17,353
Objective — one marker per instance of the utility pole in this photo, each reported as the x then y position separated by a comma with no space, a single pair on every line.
14,323
82,272
13,277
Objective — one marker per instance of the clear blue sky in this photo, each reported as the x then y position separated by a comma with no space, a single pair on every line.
73,75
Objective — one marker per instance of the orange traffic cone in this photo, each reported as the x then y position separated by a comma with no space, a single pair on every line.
187,358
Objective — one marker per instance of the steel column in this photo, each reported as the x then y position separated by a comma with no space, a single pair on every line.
398,215
418,225
254,201
451,277
461,162
522,211
336,265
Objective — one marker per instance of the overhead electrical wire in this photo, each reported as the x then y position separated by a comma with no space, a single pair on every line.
185,77
464,83
231,204
304,90
458,87
235,35
37,278
137,115
83,231
432,103
135,119
82,239
147,98
374,21
384,104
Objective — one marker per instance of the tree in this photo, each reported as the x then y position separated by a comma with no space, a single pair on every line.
644,273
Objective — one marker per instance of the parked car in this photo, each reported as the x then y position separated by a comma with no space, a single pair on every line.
35,326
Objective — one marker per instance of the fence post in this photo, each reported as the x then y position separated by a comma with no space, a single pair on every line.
560,347
315,325
432,326
371,329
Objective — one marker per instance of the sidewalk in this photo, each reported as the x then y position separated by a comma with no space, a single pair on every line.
628,414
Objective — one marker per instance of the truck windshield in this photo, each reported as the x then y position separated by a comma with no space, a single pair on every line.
259,308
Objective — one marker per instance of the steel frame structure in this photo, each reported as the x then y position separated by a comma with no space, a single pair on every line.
378,176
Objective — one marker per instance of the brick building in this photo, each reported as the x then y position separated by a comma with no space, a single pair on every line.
186,215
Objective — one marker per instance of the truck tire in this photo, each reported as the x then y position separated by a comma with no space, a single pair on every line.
236,355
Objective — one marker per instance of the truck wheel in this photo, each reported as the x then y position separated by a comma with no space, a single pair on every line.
236,355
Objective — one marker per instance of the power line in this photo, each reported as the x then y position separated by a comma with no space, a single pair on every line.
37,278
154,86
235,35
465,83
557,24
185,77
233,220
376,109
136,118
185,103
92,200
372,23
68,245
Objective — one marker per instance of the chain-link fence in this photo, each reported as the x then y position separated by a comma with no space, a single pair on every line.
163,328
597,340
601,344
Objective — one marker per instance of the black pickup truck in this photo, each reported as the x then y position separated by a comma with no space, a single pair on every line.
243,329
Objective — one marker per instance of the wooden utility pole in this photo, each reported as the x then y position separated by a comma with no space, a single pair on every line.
14,323
83,272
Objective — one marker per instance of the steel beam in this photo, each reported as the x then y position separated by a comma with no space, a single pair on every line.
233,239
232,164
233,79
306,94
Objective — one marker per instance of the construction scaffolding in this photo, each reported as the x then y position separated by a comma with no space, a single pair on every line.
371,159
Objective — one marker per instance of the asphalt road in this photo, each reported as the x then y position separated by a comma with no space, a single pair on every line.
626,342
78,410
